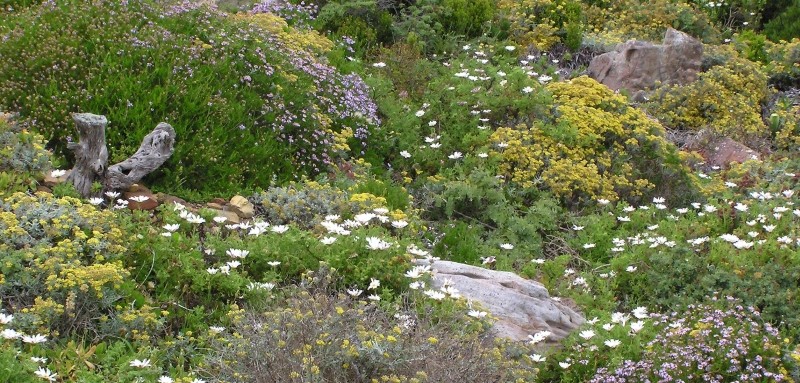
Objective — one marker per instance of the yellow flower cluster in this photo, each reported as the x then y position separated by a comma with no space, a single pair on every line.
294,39
784,56
645,20
43,309
587,150
9,227
722,99
366,201
340,139
90,278
138,322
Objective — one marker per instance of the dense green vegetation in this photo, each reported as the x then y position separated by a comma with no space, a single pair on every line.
369,133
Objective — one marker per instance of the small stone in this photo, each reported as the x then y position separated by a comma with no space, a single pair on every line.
232,217
51,181
166,198
215,205
242,207
219,201
149,204
136,188
43,188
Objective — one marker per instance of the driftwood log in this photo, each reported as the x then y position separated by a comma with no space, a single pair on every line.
91,155
156,149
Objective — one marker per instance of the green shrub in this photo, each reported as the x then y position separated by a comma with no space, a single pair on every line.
438,26
461,242
17,5
734,14
466,17
307,203
784,25
754,46
245,89
421,26
361,21
455,110
303,204
23,157
740,243
14,367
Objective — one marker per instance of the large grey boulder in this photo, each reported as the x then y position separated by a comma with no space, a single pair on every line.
522,307
638,65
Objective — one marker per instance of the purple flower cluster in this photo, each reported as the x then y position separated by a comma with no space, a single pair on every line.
348,43
297,15
343,97
187,6
706,344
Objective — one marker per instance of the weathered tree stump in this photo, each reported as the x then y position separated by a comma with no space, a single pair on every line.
91,155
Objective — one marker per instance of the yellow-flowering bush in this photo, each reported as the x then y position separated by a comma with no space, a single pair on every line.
726,99
785,124
783,62
647,20
596,147
62,270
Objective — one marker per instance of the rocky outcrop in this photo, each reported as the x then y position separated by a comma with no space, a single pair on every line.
639,65
522,307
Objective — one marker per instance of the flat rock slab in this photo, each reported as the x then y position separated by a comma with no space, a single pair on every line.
522,306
